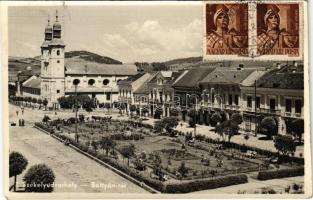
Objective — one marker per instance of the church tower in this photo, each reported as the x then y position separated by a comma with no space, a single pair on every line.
52,64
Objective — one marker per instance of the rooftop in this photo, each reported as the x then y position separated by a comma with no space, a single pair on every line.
80,66
192,77
32,83
227,76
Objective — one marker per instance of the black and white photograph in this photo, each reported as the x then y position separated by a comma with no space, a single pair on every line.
119,99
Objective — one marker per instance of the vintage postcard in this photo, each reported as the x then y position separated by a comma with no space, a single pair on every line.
156,99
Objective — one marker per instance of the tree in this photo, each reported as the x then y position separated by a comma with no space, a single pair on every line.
284,144
107,106
94,145
39,178
227,129
45,119
215,118
121,107
88,105
107,143
132,109
17,164
167,123
174,112
158,112
269,127
34,100
81,118
45,103
145,110
182,169
128,151
236,118
297,128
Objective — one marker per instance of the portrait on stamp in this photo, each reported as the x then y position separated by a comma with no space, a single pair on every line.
226,29
278,29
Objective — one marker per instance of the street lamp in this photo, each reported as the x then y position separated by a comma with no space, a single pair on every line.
76,82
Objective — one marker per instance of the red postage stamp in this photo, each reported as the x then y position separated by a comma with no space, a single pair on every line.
278,29
226,29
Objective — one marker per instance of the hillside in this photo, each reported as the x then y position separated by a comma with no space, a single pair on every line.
183,61
89,56
20,64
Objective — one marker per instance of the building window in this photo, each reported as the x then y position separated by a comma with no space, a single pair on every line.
58,91
58,52
249,101
91,82
108,96
213,97
230,99
236,100
288,105
76,81
58,61
272,104
106,81
298,105
258,102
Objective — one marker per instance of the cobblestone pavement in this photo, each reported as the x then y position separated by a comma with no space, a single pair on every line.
74,171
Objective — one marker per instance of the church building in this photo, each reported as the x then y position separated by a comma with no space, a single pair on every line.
58,74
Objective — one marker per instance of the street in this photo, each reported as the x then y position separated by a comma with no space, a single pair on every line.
74,172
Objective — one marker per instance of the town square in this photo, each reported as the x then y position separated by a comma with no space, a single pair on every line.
164,120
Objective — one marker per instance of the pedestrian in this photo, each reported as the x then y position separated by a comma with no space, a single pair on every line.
16,112
22,110
19,122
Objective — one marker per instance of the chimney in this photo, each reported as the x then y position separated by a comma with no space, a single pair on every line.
295,63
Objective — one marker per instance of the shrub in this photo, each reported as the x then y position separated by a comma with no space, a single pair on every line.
39,178
215,118
269,126
192,122
196,185
273,174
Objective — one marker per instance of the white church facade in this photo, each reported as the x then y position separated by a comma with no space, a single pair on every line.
58,74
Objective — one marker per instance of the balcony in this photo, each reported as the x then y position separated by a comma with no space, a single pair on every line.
269,111
263,110
232,107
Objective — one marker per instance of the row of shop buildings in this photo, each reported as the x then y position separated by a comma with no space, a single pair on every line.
253,92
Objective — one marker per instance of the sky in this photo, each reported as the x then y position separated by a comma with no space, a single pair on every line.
128,33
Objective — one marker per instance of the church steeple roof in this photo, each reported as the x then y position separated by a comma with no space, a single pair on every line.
57,24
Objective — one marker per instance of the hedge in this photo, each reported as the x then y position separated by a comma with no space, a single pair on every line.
197,185
273,174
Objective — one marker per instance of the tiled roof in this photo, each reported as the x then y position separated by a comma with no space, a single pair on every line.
143,89
192,77
33,83
282,80
167,79
250,80
227,76
132,78
80,66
